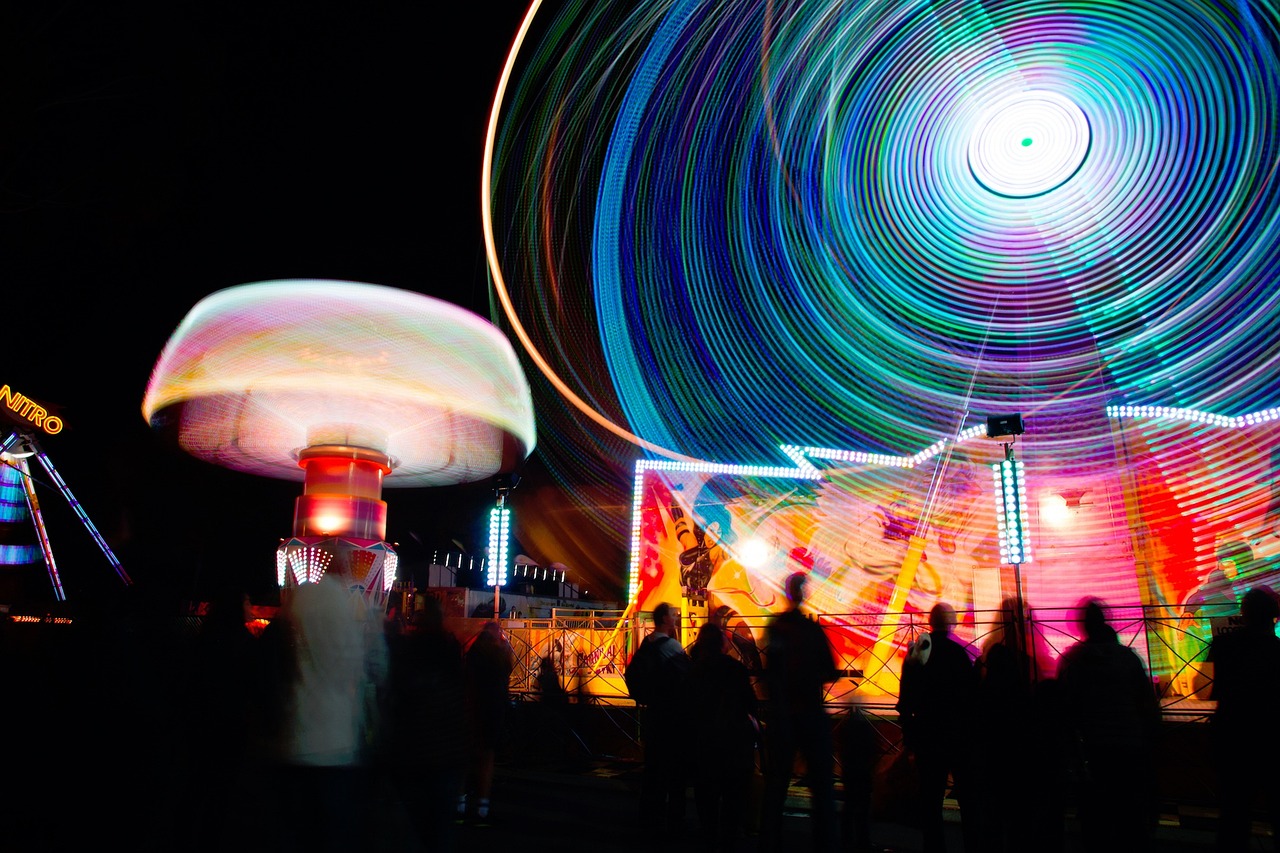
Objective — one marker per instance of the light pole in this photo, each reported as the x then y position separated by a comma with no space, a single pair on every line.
1010,484
499,540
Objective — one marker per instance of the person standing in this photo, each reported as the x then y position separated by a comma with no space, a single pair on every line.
1113,717
1246,686
935,706
799,664
658,679
425,710
487,668
1007,765
339,657
723,707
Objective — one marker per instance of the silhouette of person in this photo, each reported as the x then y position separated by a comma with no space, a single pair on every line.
1110,707
1007,766
339,657
219,712
1246,686
1221,586
936,702
664,780
553,692
799,664
742,643
858,745
1218,595
723,706
425,710
487,667
555,727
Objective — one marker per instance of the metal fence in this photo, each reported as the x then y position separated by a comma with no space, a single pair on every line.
589,650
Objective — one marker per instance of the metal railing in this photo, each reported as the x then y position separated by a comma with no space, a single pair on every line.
589,649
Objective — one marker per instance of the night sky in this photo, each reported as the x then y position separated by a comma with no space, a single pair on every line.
153,155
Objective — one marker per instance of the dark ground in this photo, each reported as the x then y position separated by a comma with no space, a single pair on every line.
93,755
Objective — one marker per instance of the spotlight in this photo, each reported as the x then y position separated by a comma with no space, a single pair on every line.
1002,425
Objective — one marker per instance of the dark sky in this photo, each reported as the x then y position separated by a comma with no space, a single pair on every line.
154,154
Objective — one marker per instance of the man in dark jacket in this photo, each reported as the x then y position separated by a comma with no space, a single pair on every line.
1246,686
935,705
1110,706
799,664
663,700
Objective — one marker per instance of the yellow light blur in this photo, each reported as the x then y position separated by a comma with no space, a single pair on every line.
754,553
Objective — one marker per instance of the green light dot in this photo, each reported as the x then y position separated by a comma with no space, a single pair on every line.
1026,142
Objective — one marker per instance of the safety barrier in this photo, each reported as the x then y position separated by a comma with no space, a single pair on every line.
589,649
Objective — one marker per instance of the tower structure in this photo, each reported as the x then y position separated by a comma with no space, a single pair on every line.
16,451
349,387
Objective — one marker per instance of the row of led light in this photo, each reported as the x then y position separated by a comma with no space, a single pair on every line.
539,573
1009,479
637,495
391,560
499,543
307,564
51,620
893,461
1181,414
803,470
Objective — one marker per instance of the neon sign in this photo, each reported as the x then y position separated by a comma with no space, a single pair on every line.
29,410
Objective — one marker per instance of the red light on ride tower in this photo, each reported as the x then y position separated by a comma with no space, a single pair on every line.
357,385
342,492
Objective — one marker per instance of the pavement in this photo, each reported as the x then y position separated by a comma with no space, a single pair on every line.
583,787
547,807
93,753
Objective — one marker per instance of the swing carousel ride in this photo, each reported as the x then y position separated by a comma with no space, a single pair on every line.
347,387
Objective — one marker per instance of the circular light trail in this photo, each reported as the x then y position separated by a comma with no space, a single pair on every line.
849,225
1004,156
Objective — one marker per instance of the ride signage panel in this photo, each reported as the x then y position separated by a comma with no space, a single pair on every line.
27,411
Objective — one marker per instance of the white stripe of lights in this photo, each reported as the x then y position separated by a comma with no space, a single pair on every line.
499,543
1194,415
1009,480
804,470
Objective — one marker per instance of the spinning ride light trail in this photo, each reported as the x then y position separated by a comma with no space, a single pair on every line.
1028,144
500,285
782,222
348,387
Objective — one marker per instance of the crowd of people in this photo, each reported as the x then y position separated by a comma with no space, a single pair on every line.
295,738
332,728
340,713
1015,749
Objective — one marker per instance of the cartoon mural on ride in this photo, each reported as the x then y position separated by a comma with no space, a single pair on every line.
731,540
1190,525
1205,528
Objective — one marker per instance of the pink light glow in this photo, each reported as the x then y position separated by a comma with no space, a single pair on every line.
257,373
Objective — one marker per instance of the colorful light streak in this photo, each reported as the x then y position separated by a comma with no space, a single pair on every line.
256,373
725,227
349,387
